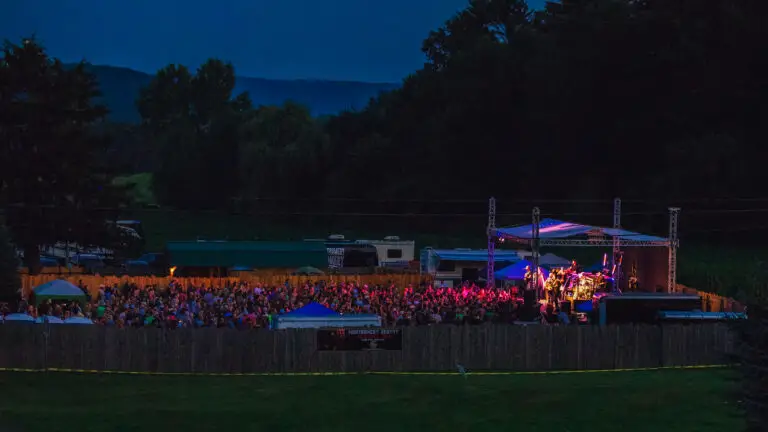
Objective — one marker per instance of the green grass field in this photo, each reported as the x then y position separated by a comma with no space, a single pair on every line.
139,187
670,400
161,226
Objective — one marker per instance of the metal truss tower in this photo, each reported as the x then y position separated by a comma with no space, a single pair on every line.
536,216
490,280
674,243
616,261
617,225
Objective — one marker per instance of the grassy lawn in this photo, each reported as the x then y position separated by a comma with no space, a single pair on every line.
139,187
161,226
672,400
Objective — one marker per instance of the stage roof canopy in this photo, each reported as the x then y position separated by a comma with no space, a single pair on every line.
560,233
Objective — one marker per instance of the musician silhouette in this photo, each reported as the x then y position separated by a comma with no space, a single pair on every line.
574,267
528,278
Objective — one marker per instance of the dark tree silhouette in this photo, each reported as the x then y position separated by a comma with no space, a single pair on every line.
10,283
193,121
52,179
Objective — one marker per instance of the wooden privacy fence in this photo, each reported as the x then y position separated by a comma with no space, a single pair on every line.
92,282
713,302
429,348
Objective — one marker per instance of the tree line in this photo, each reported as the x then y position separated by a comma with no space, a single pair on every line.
659,100
648,99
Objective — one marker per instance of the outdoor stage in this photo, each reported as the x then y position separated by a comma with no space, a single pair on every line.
636,261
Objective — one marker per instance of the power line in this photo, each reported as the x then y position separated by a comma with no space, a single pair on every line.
436,201
724,211
728,229
417,214
531,202
361,214
502,200
720,200
398,214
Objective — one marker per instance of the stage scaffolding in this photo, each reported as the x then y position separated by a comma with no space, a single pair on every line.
597,237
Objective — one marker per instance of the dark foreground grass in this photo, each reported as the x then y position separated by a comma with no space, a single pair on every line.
681,400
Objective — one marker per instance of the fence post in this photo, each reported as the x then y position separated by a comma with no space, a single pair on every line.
661,348
46,334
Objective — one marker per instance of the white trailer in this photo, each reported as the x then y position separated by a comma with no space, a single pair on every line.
392,251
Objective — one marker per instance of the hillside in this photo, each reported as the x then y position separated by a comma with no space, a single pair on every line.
120,86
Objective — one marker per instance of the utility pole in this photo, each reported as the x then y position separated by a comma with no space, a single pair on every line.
490,280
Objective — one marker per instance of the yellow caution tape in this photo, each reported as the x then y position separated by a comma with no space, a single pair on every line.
480,373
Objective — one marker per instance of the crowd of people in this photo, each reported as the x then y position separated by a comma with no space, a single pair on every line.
244,305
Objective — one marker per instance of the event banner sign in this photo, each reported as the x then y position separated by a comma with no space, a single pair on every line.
359,339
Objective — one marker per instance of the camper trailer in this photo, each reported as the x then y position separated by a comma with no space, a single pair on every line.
365,255
393,252
348,256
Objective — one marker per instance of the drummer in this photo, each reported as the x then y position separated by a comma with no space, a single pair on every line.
574,267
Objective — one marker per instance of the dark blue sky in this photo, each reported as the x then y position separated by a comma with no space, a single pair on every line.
363,40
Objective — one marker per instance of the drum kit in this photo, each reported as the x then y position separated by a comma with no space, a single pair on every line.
571,285
582,286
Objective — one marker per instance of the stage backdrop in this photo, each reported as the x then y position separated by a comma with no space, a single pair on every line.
652,265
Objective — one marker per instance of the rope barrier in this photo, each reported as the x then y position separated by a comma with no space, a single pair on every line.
479,373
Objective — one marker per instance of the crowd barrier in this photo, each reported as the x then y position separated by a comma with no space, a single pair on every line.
92,282
437,348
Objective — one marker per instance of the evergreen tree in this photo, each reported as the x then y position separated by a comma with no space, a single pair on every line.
9,269
192,120
53,182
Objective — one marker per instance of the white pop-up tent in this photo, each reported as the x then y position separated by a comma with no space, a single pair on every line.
315,315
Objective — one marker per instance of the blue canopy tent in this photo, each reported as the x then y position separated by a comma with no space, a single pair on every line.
312,310
517,271
77,320
19,317
48,319
58,290
315,315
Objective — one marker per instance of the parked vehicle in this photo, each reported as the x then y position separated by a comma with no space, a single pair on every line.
148,264
91,263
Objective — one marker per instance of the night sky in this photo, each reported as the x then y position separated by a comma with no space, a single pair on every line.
360,40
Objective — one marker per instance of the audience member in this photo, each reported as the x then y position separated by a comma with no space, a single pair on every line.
244,305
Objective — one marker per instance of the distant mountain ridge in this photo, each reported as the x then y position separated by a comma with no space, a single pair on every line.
120,87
